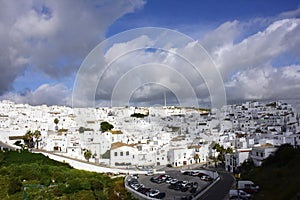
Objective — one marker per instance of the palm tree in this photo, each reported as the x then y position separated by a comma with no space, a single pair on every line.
37,135
28,139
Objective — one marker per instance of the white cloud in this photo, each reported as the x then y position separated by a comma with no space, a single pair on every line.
258,49
57,94
266,83
53,36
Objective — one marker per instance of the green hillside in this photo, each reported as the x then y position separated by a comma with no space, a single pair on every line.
34,176
279,177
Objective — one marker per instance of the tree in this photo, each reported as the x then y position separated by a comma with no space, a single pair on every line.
81,129
105,126
222,151
196,157
56,121
87,155
28,139
37,135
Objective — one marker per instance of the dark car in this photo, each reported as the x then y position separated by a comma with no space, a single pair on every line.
195,185
161,195
184,189
144,190
193,190
172,186
187,173
186,198
132,181
154,179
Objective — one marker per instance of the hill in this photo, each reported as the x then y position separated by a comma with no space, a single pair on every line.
279,176
24,175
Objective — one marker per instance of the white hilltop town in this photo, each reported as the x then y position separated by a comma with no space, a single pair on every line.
153,136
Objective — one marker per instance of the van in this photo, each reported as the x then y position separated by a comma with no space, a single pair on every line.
248,186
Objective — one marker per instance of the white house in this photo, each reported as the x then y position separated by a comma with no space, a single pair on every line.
123,155
260,153
234,160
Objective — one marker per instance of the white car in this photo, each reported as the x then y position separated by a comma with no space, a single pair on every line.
168,180
173,181
149,173
153,193
184,183
137,186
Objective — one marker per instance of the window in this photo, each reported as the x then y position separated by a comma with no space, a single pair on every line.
262,154
256,153
121,153
127,153
116,153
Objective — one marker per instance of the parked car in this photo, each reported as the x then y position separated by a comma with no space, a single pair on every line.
136,186
187,173
239,194
184,189
132,181
153,193
173,181
195,185
184,183
193,190
206,178
134,175
248,186
144,190
161,195
195,173
149,173
172,186
168,180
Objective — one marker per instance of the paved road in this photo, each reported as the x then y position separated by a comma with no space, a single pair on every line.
221,189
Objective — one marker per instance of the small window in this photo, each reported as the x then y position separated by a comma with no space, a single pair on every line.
262,154
127,153
116,153
121,153
256,153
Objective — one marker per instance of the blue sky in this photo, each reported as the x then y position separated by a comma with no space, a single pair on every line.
193,15
254,44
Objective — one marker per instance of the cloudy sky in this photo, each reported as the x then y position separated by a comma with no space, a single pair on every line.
253,47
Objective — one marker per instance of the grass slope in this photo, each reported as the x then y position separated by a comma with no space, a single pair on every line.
44,178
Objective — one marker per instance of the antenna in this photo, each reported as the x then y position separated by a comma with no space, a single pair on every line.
165,98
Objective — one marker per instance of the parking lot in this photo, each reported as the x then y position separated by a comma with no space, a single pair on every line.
184,187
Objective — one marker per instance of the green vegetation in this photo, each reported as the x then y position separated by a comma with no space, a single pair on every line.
138,115
278,177
222,151
56,121
87,155
34,176
105,126
82,129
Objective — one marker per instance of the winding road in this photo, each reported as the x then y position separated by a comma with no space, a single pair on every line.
221,189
